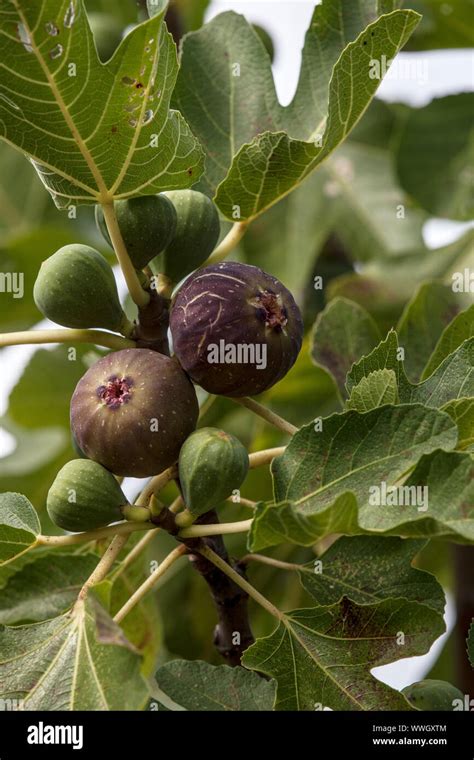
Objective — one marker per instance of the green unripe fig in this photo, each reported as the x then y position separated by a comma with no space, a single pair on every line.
85,496
197,232
432,694
266,39
212,464
147,224
76,287
107,33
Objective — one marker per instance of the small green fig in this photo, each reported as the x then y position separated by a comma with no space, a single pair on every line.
432,694
85,496
212,464
147,224
132,411
76,287
197,232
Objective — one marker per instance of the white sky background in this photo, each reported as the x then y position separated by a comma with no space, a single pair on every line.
442,73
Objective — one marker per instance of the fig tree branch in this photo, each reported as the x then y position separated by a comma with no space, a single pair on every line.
150,582
139,296
266,414
97,337
156,484
194,531
231,240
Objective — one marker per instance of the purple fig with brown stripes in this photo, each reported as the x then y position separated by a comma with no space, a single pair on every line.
236,329
132,411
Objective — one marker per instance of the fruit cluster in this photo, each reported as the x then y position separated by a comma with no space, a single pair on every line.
235,331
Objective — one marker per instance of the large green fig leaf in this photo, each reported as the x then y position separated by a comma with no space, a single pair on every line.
322,657
45,587
459,330
94,131
343,570
377,389
257,150
84,652
196,685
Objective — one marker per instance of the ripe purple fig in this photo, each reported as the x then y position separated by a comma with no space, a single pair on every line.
132,411
236,329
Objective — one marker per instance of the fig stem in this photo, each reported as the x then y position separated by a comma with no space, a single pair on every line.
104,565
231,240
139,296
269,561
242,502
265,456
97,337
156,484
198,531
122,529
150,582
266,414
225,568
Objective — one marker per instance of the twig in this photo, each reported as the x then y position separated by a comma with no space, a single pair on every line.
240,581
266,414
97,337
195,531
121,529
139,296
150,582
269,561
265,456
156,484
242,502
231,240
104,565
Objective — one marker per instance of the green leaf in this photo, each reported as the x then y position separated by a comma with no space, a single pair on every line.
88,126
342,334
344,570
431,309
374,219
454,378
379,445
196,685
462,412
84,652
44,588
460,329
236,114
470,644
322,657
436,171
377,389
19,525
42,396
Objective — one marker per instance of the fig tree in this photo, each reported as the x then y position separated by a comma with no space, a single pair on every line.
212,464
85,496
147,224
236,329
432,694
75,287
197,232
132,411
